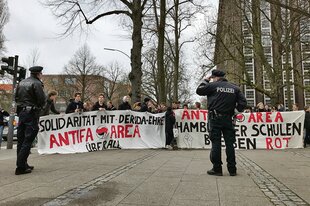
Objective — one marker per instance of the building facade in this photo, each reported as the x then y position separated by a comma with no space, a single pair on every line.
90,86
265,49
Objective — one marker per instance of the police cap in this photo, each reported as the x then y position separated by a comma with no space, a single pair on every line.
217,73
36,69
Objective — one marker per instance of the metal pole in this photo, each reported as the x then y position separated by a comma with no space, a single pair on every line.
12,111
110,49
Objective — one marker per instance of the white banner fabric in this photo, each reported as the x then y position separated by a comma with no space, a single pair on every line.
260,130
99,130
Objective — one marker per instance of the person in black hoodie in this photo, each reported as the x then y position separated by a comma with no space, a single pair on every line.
110,106
125,105
75,105
100,105
145,105
50,104
3,114
170,121
307,126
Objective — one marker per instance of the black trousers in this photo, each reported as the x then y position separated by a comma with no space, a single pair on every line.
169,137
222,125
26,132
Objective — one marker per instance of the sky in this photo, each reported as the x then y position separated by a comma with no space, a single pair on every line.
32,27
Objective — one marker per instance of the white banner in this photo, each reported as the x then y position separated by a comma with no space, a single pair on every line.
99,130
261,130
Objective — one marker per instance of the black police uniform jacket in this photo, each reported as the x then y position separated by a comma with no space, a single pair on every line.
30,92
223,96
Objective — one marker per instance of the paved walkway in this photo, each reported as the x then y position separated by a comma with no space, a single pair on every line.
156,177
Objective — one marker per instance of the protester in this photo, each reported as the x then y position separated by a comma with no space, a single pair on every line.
100,105
50,104
169,125
280,108
248,109
197,105
75,105
125,104
110,106
295,107
3,114
30,100
88,106
145,106
136,106
175,105
260,107
307,126
267,108
161,108
185,106
223,99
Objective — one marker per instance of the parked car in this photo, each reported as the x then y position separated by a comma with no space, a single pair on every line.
6,128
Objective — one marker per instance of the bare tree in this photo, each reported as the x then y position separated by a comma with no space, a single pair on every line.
75,14
165,24
180,17
150,80
117,78
33,57
4,18
243,37
85,74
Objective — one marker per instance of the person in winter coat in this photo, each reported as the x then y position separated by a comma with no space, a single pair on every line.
50,104
3,114
75,105
307,126
100,105
125,105
170,121
110,106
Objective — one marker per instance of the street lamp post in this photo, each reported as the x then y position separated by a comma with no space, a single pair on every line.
110,49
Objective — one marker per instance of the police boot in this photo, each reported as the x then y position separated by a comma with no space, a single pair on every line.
217,172
19,171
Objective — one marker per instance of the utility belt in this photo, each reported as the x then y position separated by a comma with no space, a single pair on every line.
27,109
214,114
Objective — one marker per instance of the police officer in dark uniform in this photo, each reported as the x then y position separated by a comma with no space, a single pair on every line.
223,99
30,99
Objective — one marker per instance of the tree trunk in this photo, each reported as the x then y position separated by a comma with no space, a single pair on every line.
257,39
296,55
136,72
276,30
160,53
177,53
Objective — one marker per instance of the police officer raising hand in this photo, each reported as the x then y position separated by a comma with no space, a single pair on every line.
30,100
223,98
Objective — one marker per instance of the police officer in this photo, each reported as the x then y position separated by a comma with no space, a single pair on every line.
223,98
30,99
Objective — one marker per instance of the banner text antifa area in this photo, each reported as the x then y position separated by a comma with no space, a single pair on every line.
84,128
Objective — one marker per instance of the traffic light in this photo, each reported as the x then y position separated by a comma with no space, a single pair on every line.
21,74
9,68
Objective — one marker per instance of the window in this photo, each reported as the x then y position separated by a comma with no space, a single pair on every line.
70,80
250,102
248,59
249,94
267,50
55,81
